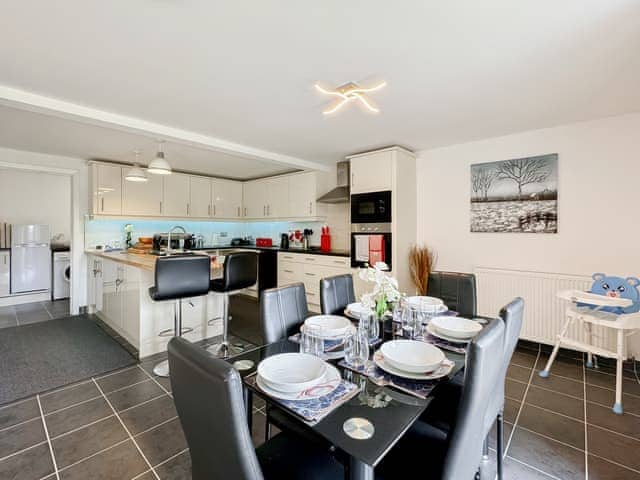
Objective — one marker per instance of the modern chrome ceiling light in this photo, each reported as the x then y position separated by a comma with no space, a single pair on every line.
136,173
348,93
159,165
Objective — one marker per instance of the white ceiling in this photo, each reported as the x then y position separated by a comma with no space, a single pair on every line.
244,71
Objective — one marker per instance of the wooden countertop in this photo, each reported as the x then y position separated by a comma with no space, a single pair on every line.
138,260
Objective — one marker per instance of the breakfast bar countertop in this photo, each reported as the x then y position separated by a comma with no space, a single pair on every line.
139,260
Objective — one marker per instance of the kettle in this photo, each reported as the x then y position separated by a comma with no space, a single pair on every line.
284,240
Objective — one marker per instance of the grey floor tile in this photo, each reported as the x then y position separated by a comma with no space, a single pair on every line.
178,468
77,416
134,395
600,469
604,417
148,415
614,447
120,462
521,374
606,397
121,379
162,442
258,429
75,446
8,321
508,427
148,475
18,412
27,318
556,402
558,427
29,307
560,384
68,395
563,367
32,464
165,382
606,380
515,470
525,359
21,436
515,389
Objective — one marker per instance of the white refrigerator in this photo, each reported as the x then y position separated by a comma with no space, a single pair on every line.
30,258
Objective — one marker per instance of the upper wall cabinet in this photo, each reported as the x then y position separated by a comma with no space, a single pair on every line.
199,197
226,198
277,201
371,172
254,199
106,189
304,189
143,198
176,199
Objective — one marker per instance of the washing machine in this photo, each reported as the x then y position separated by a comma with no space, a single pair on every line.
61,277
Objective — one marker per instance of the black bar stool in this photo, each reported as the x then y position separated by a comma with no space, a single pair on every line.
178,277
240,271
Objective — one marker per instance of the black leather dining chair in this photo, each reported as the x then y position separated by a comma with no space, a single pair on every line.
336,293
282,311
455,455
208,396
457,290
178,277
240,271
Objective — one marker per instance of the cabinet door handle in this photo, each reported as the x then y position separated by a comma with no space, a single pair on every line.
209,210
214,210
264,210
188,209
268,210
311,294
353,179
310,259
238,211
310,274
310,207
102,204
245,211
160,206
287,271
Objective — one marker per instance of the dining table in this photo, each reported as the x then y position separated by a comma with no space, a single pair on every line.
391,412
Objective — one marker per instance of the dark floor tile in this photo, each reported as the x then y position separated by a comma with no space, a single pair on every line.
558,427
178,468
77,416
614,447
134,395
18,412
560,384
148,475
8,321
32,464
556,402
68,396
508,427
514,390
162,442
7,310
120,462
606,397
521,374
21,436
258,428
600,469
27,318
258,402
165,382
604,417
601,379
75,446
121,379
515,470
547,455
563,367
29,307
524,358
148,415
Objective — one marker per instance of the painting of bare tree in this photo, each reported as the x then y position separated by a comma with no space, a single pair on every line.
519,195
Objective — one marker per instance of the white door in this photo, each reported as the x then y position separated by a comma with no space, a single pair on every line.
372,172
4,273
176,195
107,193
200,197
226,198
277,197
254,199
302,195
143,198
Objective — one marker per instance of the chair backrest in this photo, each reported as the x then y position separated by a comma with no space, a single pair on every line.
181,276
282,311
208,395
482,370
457,290
336,293
240,270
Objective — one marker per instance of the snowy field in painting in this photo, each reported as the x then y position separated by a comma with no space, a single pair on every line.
506,216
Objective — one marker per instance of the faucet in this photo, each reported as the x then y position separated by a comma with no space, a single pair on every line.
169,249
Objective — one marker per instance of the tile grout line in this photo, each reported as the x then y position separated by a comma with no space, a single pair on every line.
48,312
19,424
143,403
126,430
586,436
164,422
46,432
157,382
171,457
533,468
22,451
615,463
95,454
64,434
66,387
524,397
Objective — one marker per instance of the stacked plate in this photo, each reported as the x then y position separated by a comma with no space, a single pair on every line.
412,359
454,329
355,310
431,305
328,326
297,376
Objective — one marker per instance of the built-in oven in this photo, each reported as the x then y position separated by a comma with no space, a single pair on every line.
372,207
370,243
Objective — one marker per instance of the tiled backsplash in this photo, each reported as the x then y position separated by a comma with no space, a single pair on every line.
103,232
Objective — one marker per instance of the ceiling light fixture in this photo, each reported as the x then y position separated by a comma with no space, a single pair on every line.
159,165
136,173
348,93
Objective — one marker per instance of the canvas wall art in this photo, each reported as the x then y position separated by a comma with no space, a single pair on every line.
519,195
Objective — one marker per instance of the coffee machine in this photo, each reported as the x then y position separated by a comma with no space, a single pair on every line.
284,240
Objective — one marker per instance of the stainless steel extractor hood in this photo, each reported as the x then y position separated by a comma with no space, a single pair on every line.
340,194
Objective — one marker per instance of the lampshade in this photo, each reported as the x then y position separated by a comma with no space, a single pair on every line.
159,165
136,174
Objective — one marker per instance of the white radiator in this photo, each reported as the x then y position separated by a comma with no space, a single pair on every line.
543,311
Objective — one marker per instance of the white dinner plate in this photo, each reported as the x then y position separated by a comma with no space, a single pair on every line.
412,356
292,372
328,383
442,371
437,334
328,326
355,310
456,327
431,305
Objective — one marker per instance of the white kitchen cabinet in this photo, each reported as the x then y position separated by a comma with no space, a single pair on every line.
120,305
254,199
277,201
199,197
175,195
5,276
143,198
106,189
226,198
372,172
304,189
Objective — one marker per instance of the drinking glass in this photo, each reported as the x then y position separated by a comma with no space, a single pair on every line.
409,318
370,325
311,342
356,347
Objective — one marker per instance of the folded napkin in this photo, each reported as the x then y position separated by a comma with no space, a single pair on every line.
314,410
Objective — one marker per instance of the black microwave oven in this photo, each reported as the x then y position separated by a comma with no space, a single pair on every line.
371,207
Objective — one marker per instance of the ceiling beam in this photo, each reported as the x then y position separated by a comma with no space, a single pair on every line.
21,99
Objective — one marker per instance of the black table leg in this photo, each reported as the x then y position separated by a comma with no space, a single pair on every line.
359,470
248,406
